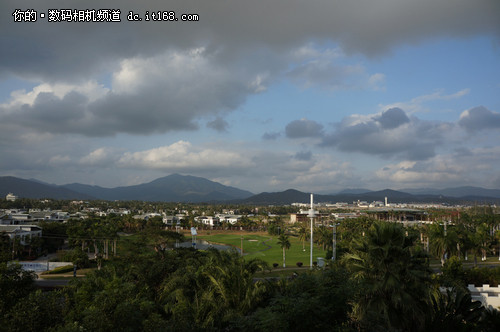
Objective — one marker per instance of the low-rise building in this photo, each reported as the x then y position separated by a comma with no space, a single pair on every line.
15,219
346,215
303,216
229,218
170,220
23,232
208,220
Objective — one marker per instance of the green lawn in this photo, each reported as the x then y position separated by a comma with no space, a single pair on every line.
266,248
66,275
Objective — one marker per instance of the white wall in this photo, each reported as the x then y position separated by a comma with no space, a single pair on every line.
489,296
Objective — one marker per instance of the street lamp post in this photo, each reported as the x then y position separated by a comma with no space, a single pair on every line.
311,215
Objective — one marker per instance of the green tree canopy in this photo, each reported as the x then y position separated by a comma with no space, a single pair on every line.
394,282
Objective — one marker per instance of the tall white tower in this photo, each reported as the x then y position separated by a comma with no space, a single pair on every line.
311,215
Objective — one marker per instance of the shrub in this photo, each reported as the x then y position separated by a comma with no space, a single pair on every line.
453,273
60,269
483,275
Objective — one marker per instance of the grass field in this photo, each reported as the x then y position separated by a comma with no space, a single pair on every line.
66,275
265,247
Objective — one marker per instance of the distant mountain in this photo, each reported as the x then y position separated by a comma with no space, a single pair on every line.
294,196
93,191
186,188
34,189
172,188
456,192
42,182
278,198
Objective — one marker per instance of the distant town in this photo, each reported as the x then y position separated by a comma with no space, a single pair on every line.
70,247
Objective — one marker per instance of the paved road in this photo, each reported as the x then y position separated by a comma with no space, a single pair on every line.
51,283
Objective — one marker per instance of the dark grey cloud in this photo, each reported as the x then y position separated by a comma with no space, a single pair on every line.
50,113
218,124
303,128
167,92
392,118
346,135
422,150
72,51
391,133
479,118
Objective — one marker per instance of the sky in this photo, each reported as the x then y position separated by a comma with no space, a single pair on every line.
268,95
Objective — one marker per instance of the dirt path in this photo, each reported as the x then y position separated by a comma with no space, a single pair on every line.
267,245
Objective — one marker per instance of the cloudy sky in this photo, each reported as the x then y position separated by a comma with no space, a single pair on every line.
263,95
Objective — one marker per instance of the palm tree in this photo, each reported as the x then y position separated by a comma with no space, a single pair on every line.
284,243
213,289
455,310
394,282
497,237
324,237
442,243
303,235
480,242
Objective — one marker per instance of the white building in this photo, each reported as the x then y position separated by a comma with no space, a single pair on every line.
170,220
229,218
208,220
15,219
11,197
23,232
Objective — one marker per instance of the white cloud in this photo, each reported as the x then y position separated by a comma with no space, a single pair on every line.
323,173
90,89
417,104
182,156
475,167
327,69
377,82
100,157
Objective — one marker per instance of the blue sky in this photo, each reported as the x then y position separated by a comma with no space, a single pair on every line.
264,95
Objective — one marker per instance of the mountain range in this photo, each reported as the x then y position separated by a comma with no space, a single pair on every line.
192,189
172,188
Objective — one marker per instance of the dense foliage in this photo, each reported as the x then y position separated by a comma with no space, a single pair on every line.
381,283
